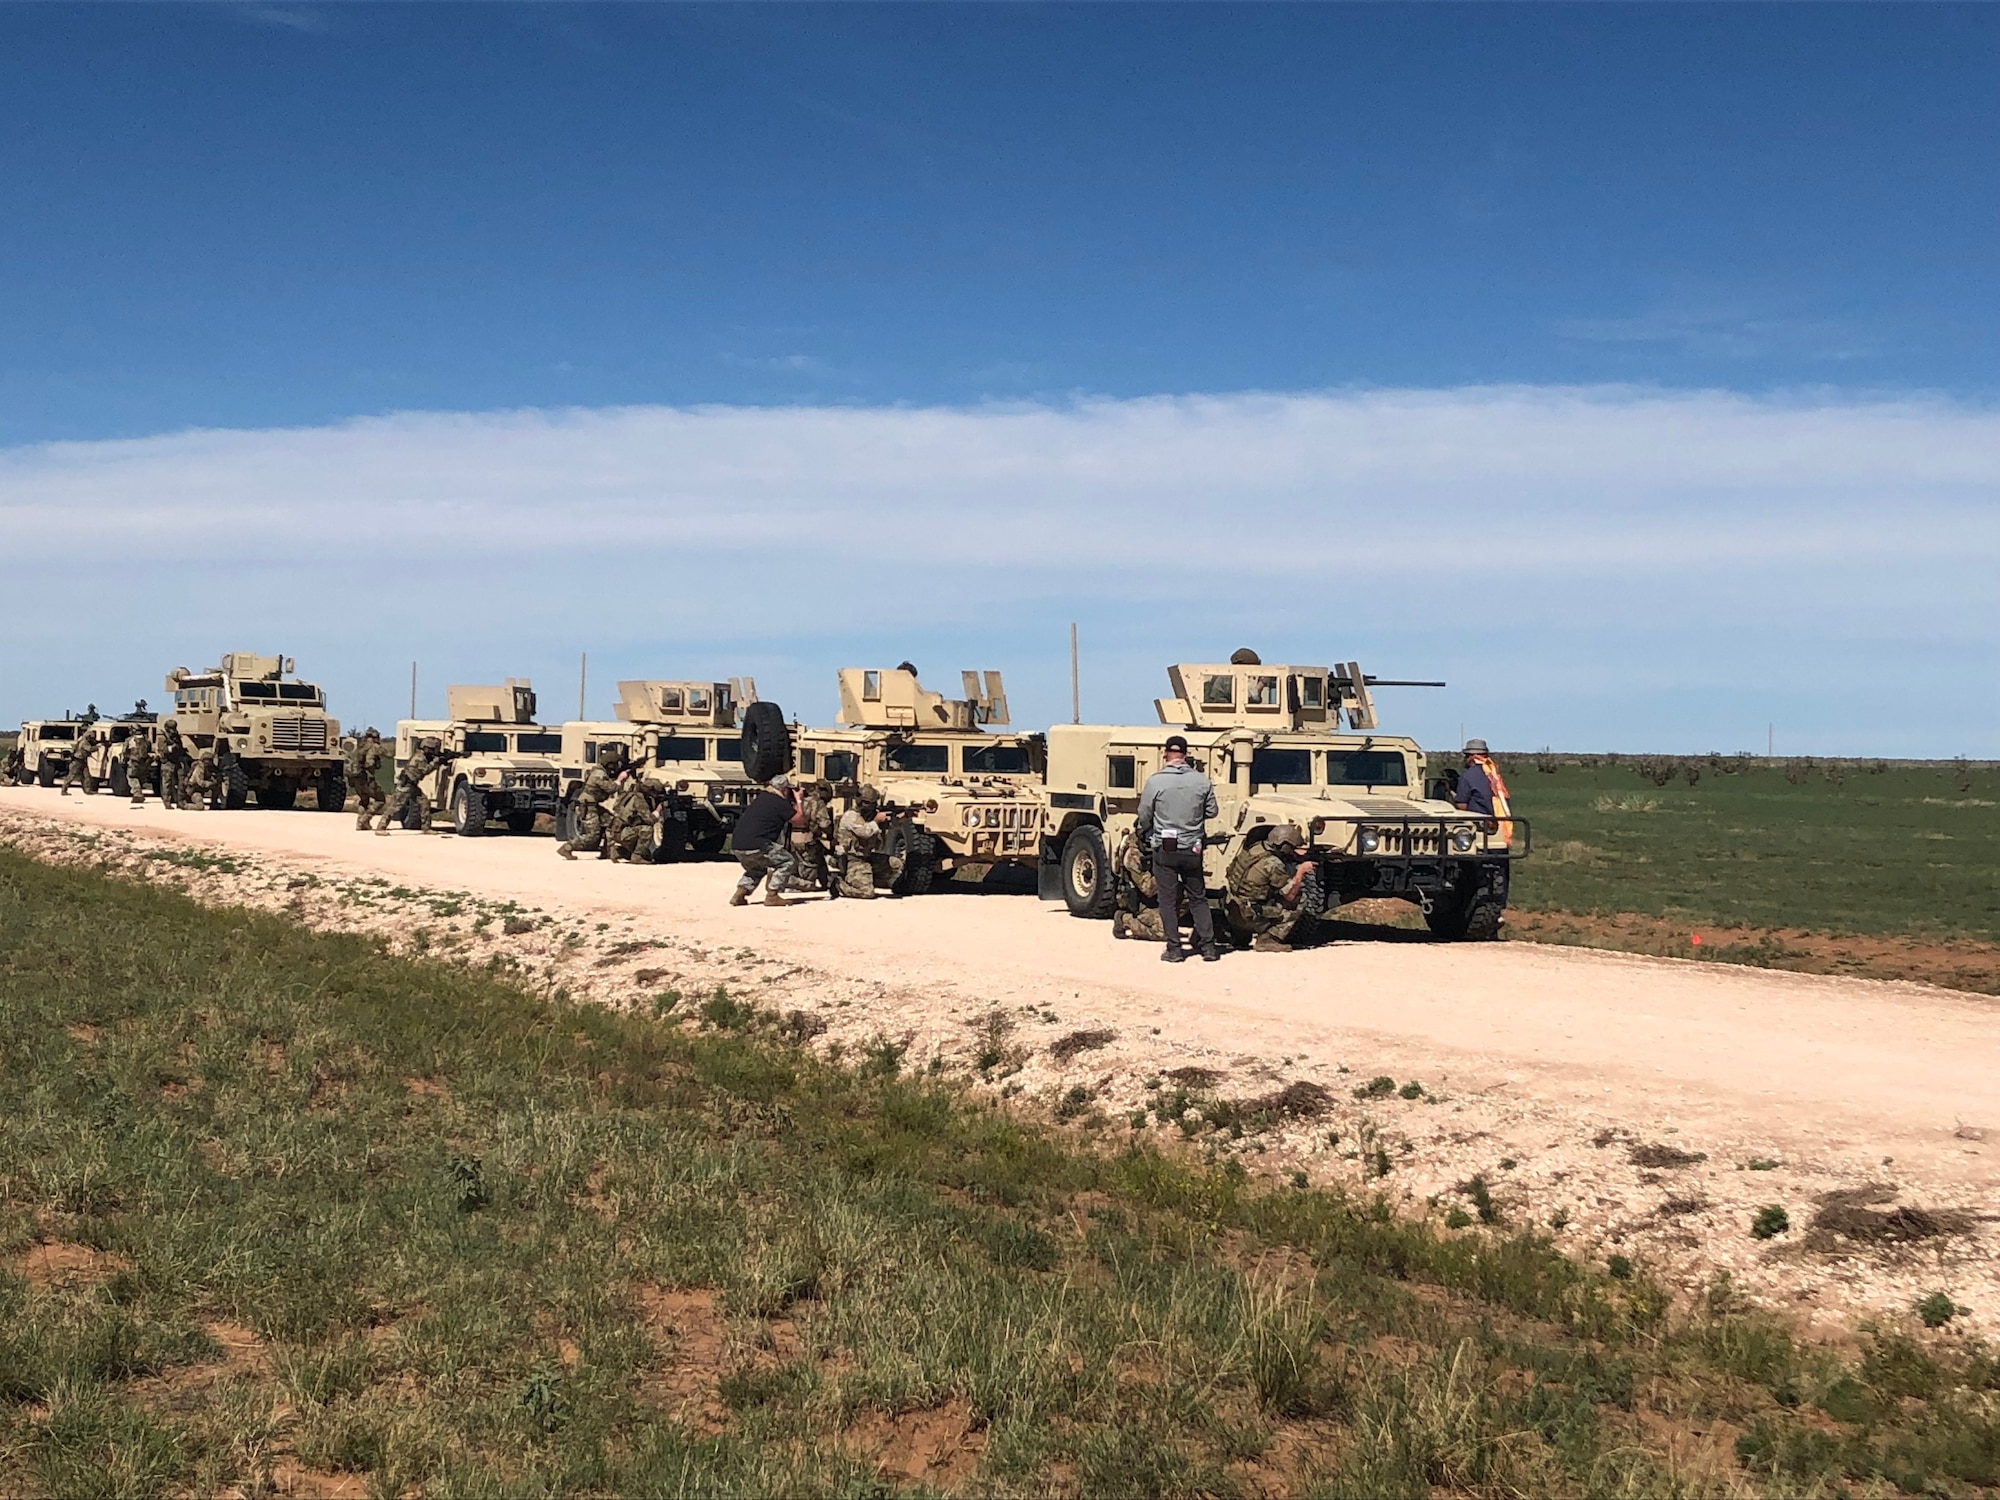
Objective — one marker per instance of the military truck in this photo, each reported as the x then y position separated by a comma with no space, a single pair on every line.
502,766
1270,739
271,732
47,745
958,794
103,746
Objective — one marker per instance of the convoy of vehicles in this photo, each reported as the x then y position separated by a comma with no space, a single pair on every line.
1294,745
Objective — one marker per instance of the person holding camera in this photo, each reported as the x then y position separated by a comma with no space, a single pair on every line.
1174,808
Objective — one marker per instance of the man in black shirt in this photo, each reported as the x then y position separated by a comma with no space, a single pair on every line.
762,843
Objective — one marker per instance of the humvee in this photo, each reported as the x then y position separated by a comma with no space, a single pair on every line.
47,745
104,752
1270,740
688,736
502,765
270,731
958,794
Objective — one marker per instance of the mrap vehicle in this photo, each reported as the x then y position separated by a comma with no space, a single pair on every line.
502,764
271,732
1270,738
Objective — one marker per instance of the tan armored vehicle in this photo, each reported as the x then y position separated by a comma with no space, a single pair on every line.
1271,741
47,745
500,764
271,732
960,795
687,736
104,752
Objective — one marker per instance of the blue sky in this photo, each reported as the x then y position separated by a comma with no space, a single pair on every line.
251,218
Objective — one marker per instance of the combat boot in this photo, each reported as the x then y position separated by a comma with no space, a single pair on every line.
772,898
565,851
739,897
1119,925
1172,956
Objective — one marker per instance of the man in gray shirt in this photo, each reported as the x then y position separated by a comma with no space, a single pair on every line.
1174,809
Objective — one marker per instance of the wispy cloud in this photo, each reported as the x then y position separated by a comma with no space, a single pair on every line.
307,18
1722,334
1558,531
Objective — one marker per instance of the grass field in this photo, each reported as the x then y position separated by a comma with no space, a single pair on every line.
279,1212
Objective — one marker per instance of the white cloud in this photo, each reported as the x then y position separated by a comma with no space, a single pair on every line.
1557,530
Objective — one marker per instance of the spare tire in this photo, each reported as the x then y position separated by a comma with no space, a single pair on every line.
767,742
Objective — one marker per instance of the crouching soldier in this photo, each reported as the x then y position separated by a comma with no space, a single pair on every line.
364,777
1271,890
814,836
138,757
629,819
411,798
762,844
590,801
866,864
199,790
1138,913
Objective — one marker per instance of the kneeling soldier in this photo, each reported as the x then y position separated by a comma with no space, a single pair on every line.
629,820
1271,890
590,800
864,863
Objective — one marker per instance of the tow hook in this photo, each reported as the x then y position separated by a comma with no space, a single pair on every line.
1424,902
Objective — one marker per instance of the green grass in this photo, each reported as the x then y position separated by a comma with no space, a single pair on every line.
488,1244
1905,851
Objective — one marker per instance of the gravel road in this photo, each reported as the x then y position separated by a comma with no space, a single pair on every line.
1621,1099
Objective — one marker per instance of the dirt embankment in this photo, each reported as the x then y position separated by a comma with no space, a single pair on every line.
1624,1105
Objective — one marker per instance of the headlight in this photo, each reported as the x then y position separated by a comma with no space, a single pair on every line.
971,817
1461,840
1369,841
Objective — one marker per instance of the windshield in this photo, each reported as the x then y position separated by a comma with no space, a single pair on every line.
539,744
674,747
256,692
58,731
298,692
1281,768
930,758
995,760
1366,768
485,742
839,765
729,750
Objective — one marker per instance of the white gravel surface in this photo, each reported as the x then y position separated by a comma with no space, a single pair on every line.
1544,1070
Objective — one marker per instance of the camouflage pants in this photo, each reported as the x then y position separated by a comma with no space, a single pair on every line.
75,774
813,864
1273,918
631,841
773,860
861,874
406,798
369,799
173,775
139,779
199,789
591,825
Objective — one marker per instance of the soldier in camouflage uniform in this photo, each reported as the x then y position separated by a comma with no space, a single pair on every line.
813,840
410,794
1271,890
16,770
79,759
364,776
138,757
629,817
1138,913
593,794
173,754
859,838
201,778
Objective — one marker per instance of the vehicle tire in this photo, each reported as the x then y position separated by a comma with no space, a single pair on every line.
45,773
1090,887
121,784
671,846
565,823
235,787
279,793
767,742
331,794
1473,919
468,811
708,837
919,851
521,820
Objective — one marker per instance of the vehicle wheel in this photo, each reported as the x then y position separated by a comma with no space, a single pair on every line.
45,773
767,742
672,845
710,838
919,851
278,793
1474,919
91,784
1089,886
521,820
235,787
565,823
121,784
468,811
331,795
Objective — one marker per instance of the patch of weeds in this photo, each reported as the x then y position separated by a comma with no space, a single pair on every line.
1457,1218
466,1176
883,1057
1656,1155
1482,1198
1063,1048
1379,1087
722,1011
1771,1221
1938,1309
1619,1267
1073,1103
1762,1164
1411,1090
542,1396
664,1003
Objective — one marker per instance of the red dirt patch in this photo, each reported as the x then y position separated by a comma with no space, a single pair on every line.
938,1446
694,1332
60,1263
289,1477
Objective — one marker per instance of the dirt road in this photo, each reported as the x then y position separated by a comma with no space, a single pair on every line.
1621,1099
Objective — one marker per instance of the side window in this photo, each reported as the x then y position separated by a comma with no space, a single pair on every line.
670,700
1122,771
1263,693
590,752
729,750
808,762
1218,692
697,700
840,765
871,687
1312,692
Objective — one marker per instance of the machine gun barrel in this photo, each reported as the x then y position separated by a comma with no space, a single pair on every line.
1398,682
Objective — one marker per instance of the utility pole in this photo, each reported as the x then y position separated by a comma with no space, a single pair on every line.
1075,695
582,681
1771,741
413,690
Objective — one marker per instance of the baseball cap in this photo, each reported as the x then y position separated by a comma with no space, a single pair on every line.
1177,742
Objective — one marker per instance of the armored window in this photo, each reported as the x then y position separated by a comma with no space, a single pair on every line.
729,750
1281,767
1366,768
1312,692
840,765
673,747
1263,693
1218,692
1121,771
298,692
809,762
697,700
930,759
58,732
257,692
871,687
590,752
539,744
485,742
670,700
995,760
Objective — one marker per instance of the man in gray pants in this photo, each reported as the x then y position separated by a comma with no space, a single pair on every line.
1174,809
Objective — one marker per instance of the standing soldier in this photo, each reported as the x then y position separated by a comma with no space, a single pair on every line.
138,763
173,765
79,758
201,778
410,793
813,839
364,776
628,830
859,839
1271,890
598,787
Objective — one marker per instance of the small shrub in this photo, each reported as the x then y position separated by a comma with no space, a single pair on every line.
1411,1090
1073,1103
542,1396
1770,1222
1937,1310
468,1184
1620,1267
1762,1164
1379,1087
1457,1218
723,1012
